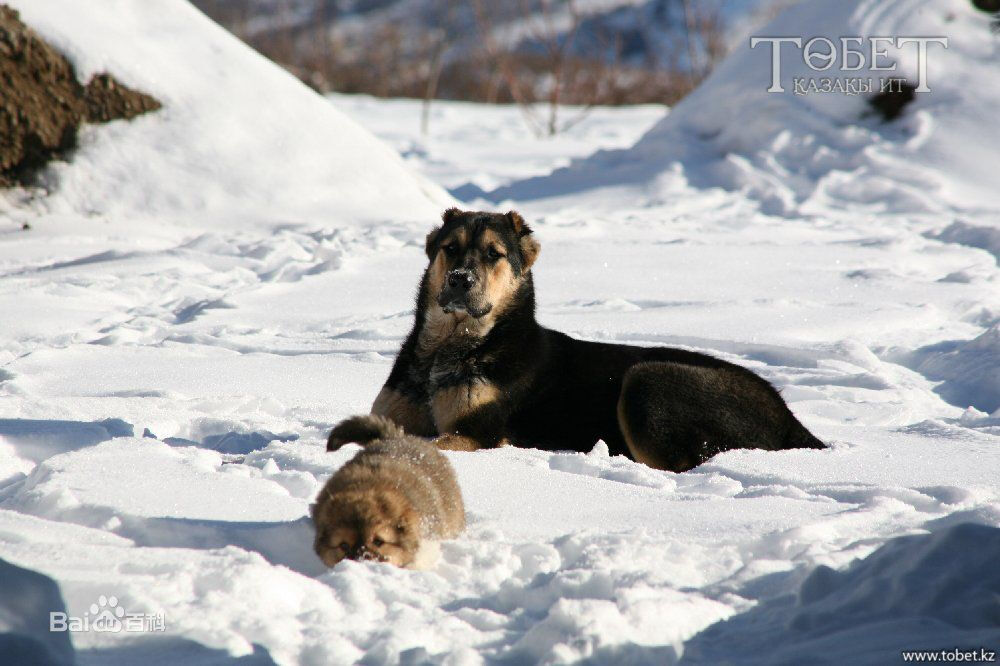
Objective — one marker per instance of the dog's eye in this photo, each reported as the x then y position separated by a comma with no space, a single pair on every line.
343,546
451,249
378,542
492,254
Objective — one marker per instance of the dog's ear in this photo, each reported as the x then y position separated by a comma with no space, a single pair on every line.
529,250
431,242
529,246
446,217
517,222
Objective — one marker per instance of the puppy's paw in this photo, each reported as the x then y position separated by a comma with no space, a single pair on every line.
362,430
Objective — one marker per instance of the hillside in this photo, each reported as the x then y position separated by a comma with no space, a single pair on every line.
237,137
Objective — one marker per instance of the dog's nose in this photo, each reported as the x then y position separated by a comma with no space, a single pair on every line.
461,279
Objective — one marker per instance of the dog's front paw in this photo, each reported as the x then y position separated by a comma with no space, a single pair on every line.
456,442
362,430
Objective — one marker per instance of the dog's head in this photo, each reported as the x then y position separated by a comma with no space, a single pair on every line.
478,261
370,524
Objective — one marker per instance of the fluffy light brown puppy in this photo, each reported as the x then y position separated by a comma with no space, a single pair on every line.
391,503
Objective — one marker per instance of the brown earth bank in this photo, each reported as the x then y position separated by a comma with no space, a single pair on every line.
42,104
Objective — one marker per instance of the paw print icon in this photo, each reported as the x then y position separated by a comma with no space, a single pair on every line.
106,614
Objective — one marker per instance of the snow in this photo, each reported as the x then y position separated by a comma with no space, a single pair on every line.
185,321
238,139
26,599
803,154
923,591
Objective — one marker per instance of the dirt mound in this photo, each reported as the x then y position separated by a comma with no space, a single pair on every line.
42,104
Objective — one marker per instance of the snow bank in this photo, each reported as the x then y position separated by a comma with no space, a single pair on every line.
567,556
37,440
805,153
238,139
969,370
923,592
26,600
963,233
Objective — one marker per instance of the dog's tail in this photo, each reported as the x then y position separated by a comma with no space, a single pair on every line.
362,430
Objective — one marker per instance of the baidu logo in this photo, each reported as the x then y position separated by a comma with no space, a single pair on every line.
107,616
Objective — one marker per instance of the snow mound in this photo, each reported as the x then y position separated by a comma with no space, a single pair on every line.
969,370
802,153
962,233
568,557
42,104
923,592
26,599
237,137
36,439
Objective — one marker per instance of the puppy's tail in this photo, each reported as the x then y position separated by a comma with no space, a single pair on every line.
362,430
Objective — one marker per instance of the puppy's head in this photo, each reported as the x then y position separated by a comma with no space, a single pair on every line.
369,524
478,261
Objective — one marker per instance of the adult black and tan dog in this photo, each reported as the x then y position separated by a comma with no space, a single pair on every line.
478,371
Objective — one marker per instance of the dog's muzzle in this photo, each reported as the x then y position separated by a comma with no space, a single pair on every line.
455,295
461,280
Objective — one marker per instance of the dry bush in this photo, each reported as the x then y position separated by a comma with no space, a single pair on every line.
471,53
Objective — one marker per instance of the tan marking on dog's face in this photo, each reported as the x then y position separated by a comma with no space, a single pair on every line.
436,273
499,280
376,524
452,247
412,417
448,405
486,257
449,252
488,239
439,326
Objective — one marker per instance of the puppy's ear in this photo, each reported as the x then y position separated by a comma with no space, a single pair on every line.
431,244
450,214
408,523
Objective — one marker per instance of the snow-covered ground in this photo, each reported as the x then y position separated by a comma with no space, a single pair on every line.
207,289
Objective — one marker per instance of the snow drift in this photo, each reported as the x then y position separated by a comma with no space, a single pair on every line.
42,103
238,138
969,370
26,600
803,153
923,592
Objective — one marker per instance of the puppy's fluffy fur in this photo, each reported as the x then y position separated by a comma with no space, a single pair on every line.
391,503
